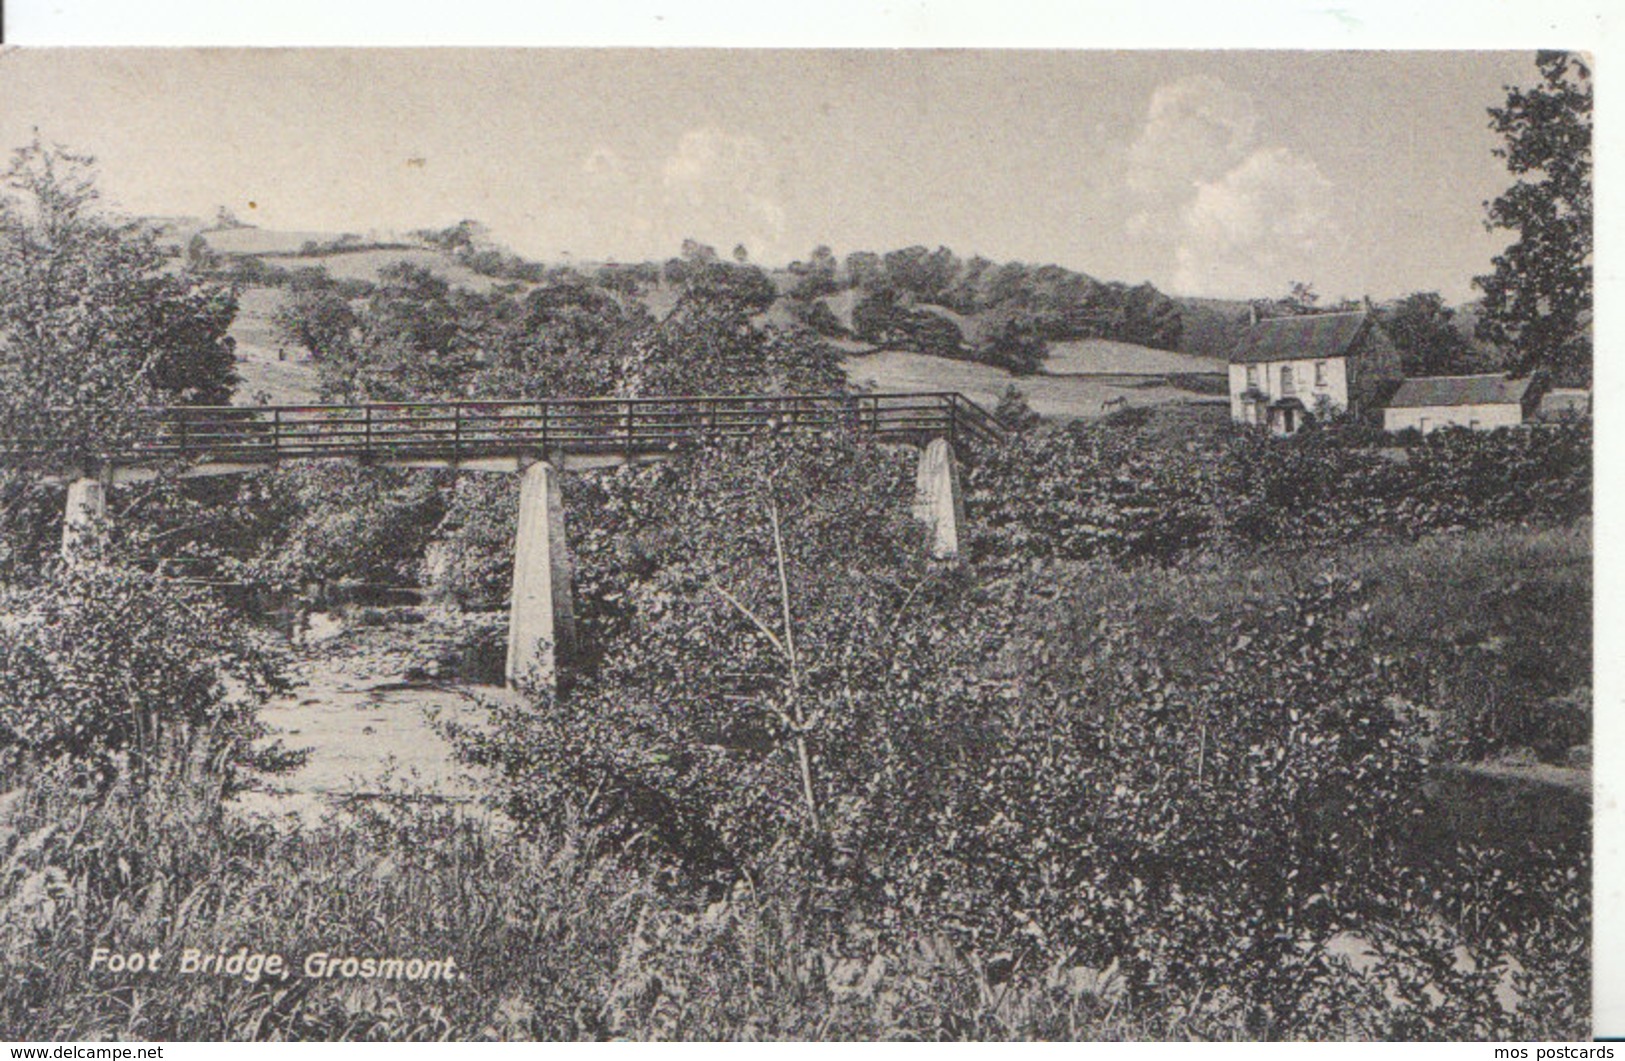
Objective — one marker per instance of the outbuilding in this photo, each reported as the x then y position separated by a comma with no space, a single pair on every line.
1561,404
1482,403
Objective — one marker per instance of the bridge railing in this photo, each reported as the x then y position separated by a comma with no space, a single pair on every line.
469,430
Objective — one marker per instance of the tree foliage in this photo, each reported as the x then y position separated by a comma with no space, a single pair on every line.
1092,491
1425,335
122,674
1537,302
93,325
316,316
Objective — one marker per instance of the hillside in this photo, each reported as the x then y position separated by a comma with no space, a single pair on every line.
1106,356
1211,325
1075,378
287,380
366,265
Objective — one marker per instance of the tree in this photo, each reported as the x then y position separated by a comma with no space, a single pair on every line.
1150,318
816,276
94,326
922,273
411,342
865,271
315,315
1424,332
559,340
1014,413
1538,299
1009,342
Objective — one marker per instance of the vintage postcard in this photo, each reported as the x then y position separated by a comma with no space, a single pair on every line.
608,543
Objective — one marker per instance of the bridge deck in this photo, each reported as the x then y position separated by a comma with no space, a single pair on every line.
467,431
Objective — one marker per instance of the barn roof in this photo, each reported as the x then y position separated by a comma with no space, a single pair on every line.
1315,336
1458,390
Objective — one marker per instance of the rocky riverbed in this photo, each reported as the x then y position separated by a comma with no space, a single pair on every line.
369,686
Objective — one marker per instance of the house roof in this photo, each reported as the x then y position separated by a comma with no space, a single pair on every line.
1317,336
1458,390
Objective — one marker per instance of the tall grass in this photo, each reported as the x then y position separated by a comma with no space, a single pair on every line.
557,939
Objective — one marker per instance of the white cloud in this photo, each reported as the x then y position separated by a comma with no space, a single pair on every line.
724,188
1265,223
1230,214
1196,129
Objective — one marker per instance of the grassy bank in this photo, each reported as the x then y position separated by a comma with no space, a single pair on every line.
551,939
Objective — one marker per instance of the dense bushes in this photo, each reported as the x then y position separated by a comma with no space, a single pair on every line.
1096,490
113,673
1489,630
328,521
865,724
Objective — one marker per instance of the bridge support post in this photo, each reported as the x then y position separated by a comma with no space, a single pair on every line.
937,502
541,619
82,520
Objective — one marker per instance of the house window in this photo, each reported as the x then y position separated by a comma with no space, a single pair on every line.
1252,376
1320,373
1475,424
1286,380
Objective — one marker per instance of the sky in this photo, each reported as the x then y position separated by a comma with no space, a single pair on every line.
1224,173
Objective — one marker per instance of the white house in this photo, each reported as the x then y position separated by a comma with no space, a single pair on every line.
1482,403
1285,370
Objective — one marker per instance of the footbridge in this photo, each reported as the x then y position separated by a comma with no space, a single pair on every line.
537,439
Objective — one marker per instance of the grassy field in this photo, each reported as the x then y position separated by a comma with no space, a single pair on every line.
251,242
1095,356
1057,397
290,380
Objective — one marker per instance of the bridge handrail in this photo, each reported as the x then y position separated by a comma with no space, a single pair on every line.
471,428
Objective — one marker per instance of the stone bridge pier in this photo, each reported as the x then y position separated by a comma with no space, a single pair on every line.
541,613
85,514
937,502
541,623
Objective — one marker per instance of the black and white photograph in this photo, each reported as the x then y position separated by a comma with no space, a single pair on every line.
607,543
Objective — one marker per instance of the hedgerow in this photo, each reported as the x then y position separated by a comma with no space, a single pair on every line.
114,674
1095,490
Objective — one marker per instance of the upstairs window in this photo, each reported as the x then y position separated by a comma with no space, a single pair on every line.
1252,376
1320,373
1286,380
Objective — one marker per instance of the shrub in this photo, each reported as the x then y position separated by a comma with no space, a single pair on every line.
1098,490
121,673
343,521
890,756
